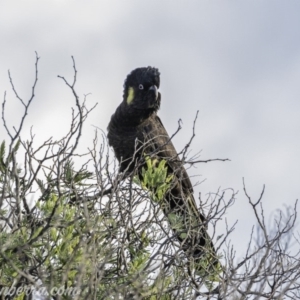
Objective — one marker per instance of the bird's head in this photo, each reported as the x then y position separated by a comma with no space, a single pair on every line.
141,90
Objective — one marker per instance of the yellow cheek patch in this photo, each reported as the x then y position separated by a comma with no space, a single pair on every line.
130,96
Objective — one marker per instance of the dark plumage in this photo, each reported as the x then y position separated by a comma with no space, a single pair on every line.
134,131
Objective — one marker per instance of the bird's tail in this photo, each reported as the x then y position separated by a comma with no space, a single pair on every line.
191,230
187,223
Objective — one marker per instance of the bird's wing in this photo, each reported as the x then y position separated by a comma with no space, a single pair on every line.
160,143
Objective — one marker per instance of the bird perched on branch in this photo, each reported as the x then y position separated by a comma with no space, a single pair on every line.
136,134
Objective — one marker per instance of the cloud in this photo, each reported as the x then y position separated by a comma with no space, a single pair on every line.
238,63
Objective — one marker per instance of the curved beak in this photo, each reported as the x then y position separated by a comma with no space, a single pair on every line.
154,88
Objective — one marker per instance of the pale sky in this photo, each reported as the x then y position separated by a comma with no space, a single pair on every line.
237,62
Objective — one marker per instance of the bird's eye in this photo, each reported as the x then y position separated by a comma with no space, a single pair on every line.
141,87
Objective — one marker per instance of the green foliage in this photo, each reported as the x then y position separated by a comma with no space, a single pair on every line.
72,176
2,154
155,178
81,246
207,270
78,245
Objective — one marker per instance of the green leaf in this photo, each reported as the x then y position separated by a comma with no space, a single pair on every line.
2,154
17,146
2,151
